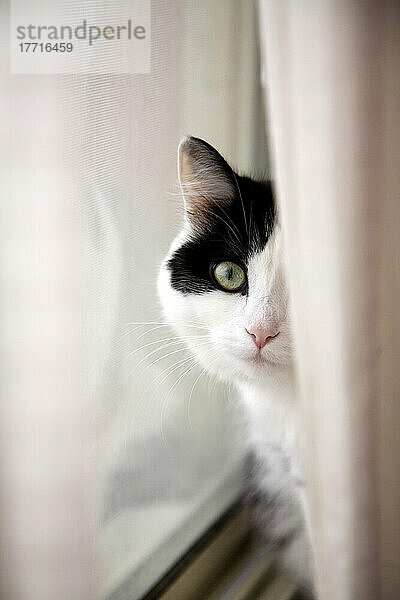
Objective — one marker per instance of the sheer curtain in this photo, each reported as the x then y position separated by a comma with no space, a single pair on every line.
171,445
333,94
89,207
48,517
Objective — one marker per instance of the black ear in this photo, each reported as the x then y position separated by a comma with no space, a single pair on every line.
205,177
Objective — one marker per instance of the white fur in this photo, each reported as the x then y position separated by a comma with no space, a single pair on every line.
264,378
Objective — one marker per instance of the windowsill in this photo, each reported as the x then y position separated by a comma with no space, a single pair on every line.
169,528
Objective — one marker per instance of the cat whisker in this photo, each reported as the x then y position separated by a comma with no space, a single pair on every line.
207,210
165,355
165,401
178,364
250,219
164,404
172,339
138,326
241,200
159,349
168,370
155,328
190,398
194,324
176,339
229,219
175,351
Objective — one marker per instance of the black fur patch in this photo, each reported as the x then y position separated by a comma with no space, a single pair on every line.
233,231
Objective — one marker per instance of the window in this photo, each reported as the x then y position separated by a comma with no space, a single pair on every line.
172,451
89,207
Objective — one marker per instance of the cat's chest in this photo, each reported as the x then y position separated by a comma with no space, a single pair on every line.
273,431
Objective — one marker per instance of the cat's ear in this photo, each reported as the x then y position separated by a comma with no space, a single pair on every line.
205,177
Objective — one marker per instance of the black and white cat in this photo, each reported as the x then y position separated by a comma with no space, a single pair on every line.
222,287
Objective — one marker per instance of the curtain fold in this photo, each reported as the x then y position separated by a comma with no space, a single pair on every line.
332,83
48,516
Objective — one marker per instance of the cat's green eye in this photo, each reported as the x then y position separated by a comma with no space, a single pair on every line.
229,276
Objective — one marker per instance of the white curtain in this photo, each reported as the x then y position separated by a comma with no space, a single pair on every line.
170,469
89,207
48,517
332,76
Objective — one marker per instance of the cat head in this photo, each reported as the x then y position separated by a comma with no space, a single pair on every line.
222,284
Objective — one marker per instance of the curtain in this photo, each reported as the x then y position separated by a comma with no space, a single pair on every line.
89,207
171,466
48,516
332,80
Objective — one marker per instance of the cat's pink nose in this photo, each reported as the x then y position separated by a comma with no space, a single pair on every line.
262,335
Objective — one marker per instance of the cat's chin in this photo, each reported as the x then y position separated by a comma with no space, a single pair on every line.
259,360
258,367
249,367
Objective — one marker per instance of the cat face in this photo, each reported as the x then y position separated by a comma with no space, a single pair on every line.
222,284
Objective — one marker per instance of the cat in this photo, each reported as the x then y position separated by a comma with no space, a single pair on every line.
222,287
